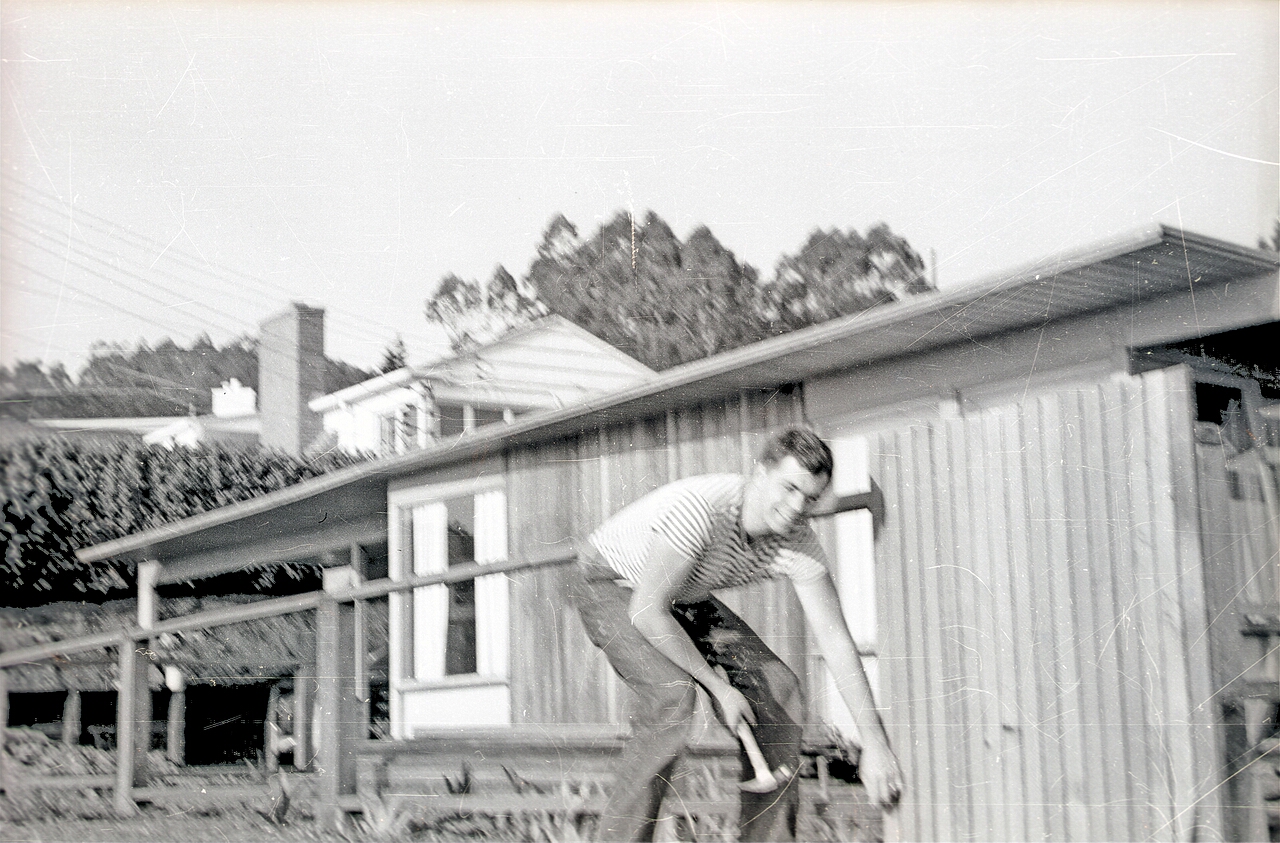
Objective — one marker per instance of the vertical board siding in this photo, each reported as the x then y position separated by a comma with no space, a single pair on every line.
1043,631
1010,725
1117,807
564,489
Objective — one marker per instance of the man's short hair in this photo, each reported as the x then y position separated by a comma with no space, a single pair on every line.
803,444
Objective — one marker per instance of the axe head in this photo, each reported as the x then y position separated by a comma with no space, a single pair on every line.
767,781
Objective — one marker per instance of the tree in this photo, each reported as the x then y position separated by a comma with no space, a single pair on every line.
475,314
664,301
642,290
836,273
1274,243
166,380
395,356
59,494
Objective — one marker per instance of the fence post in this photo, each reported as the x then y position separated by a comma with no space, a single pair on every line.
303,694
339,710
4,725
133,723
71,718
175,745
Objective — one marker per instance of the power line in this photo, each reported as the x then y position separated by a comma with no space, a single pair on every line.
206,270
197,263
235,319
72,287
202,323
81,250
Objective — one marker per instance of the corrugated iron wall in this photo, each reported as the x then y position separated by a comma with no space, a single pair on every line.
1042,620
565,489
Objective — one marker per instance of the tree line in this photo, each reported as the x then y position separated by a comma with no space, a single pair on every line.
637,286
59,494
665,301
161,380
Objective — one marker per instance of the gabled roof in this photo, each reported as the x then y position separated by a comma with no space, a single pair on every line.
1147,265
549,362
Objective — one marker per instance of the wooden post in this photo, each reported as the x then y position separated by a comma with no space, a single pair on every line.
71,722
148,573
303,693
4,724
271,731
338,710
175,748
133,724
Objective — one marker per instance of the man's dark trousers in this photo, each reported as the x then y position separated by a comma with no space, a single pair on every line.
665,700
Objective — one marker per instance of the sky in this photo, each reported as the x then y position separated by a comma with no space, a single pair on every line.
177,168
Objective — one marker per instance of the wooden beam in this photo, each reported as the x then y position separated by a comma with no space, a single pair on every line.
337,711
148,573
304,682
176,725
4,725
314,542
71,723
133,724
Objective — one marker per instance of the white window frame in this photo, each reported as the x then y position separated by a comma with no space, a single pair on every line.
851,548
418,684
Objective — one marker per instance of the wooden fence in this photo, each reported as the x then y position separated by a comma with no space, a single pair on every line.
1050,676
340,672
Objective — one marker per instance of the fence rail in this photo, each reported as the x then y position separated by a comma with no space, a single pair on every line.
132,710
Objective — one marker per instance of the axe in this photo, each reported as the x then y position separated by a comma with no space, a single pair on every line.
766,779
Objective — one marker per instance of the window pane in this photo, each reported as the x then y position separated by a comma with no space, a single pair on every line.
460,642
450,419
484,417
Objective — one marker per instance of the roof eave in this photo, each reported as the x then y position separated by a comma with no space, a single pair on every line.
784,359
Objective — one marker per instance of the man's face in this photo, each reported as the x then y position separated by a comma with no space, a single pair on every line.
785,493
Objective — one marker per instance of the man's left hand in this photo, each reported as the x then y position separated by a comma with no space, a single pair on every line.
880,773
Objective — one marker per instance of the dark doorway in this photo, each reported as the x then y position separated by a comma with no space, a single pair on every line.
225,723
41,710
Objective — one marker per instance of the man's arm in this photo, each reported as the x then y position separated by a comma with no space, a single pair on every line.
878,767
650,611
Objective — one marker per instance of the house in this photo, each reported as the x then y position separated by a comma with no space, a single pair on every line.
291,371
1053,526
548,363
545,364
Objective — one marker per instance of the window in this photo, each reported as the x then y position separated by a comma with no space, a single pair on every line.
849,538
459,628
449,642
398,431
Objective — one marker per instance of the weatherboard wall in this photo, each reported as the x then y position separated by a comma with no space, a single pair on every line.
562,490
1043,640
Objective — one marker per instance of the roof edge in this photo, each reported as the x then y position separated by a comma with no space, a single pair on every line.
526,429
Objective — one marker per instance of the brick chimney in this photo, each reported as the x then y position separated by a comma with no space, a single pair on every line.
291,369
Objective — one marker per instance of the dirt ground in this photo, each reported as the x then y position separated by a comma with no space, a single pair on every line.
87,815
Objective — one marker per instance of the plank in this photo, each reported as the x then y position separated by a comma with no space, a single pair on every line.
941,585
1192,598
922,587
895,638
1008,734
984,617
1117,445
1076,765
1097,477
1155,778
1169,546
1080,563
1040,565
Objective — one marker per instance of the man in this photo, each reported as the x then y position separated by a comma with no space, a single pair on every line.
645,596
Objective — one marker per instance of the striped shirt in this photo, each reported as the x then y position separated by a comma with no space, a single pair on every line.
701,518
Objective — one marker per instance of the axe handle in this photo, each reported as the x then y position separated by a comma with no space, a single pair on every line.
763,773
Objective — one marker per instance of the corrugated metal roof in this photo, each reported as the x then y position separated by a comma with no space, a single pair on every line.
1149,264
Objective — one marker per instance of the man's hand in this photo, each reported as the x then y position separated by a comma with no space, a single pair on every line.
879,771
733,706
